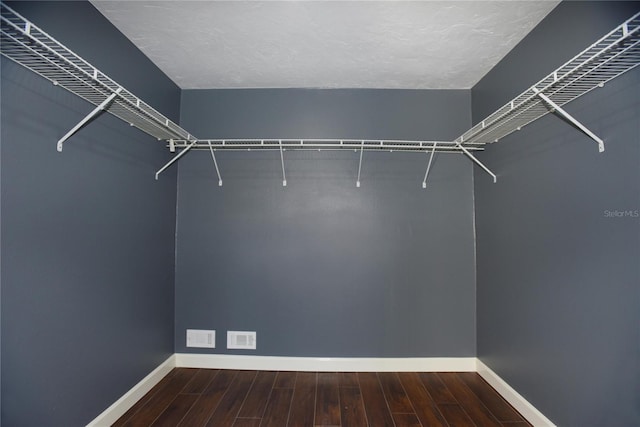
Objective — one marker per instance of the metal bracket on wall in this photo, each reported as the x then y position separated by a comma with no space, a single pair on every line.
284,176
612,55
426,174
100,108
558,109
360,164
215,163
177,157
476,161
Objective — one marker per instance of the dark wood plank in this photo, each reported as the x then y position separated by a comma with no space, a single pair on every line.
285,380
222,382
516,424
375,404
208,401
176,410
277,411
304,400
200,381
228,408
348,379
490,398
144,399
247,422
406,420
436,388
256,401
161,400
471,404
455,415
327,400
426,410
394,393
352,407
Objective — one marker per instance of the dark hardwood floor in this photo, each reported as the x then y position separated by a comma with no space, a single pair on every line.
220,398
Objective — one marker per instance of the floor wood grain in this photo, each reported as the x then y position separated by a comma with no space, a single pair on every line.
221,398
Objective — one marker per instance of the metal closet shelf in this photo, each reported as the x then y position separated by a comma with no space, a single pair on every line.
245,144
28,45
606,59
612,55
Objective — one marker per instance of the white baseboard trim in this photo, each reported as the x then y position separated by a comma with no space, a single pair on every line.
326,364
122,405
516,400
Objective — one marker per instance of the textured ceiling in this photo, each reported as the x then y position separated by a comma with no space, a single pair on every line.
325,44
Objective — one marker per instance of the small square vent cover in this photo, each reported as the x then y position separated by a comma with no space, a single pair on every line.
201,338
241,340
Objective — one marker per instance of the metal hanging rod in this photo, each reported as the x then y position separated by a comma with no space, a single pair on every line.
612,55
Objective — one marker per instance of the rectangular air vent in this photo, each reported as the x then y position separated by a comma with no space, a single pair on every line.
201,338
241,340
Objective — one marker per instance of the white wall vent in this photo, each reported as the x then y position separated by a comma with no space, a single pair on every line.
241,340
201,338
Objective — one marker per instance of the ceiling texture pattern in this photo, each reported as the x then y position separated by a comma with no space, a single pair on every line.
325,44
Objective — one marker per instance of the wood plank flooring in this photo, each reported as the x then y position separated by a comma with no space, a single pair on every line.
220,398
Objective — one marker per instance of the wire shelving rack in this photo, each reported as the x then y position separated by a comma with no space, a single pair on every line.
614,54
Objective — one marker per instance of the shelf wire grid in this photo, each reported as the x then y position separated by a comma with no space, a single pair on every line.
324,144
612,55
31,47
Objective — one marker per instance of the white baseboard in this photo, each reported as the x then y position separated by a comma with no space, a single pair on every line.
521,404
122,405
326,364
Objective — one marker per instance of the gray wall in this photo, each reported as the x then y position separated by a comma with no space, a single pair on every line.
322,268
87,234
558,295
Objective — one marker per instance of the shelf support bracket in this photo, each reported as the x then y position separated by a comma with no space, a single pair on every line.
555,107
284,176
360,164
175,159
433,150
103,105
215,163
477,162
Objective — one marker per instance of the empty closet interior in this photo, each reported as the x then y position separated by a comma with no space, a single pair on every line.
499,222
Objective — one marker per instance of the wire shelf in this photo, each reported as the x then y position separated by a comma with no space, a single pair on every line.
606,59
322,145
31,47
